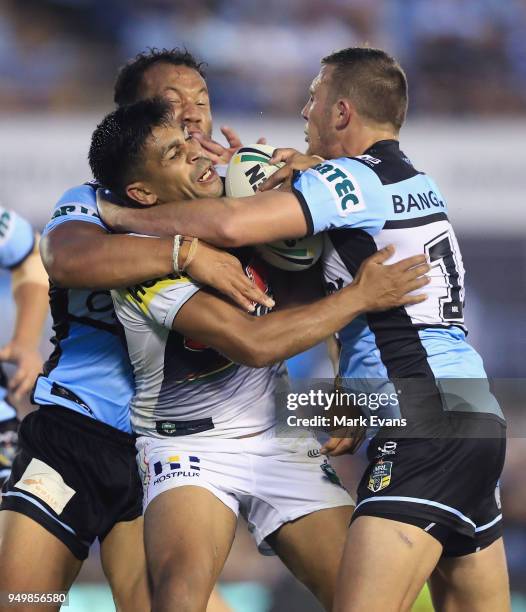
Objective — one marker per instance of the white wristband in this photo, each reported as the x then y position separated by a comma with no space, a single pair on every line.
177,246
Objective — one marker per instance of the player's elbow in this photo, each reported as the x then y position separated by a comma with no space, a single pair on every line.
229,234
60,264
51,261
229,226
264,359
256,353
58,275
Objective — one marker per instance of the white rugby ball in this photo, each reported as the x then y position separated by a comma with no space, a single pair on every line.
247,169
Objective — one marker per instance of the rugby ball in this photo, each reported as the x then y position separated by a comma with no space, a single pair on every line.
248,168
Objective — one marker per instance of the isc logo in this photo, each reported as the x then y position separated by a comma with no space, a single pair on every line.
346,192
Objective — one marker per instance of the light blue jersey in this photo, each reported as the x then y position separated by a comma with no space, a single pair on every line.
364,204
17,240
89,370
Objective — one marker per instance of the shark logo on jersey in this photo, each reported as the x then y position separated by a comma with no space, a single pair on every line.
343,187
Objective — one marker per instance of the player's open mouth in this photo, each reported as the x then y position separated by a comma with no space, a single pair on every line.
208,175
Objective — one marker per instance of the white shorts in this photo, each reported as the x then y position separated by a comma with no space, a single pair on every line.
270,480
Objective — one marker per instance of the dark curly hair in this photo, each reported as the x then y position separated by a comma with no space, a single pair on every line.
117,144
127,89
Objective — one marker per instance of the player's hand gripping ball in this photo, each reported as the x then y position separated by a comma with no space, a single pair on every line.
247,169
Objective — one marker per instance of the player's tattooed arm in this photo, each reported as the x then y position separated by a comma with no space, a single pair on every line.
223,222
261,341
83,255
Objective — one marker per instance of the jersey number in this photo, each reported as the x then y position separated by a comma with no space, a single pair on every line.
441,252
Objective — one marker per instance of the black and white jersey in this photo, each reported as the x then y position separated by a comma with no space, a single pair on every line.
363,204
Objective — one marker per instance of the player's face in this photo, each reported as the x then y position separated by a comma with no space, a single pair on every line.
175,168
185,89
317,113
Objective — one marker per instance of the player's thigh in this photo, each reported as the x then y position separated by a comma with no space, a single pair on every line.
188,533
312,547
32,559
124,564
477,582
385,565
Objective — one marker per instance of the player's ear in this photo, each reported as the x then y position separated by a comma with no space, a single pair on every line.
344,112
141,193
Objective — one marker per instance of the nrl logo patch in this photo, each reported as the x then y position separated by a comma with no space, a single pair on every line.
380,477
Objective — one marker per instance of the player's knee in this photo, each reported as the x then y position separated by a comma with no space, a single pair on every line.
320,585
324,593
131,594
180,590
189,585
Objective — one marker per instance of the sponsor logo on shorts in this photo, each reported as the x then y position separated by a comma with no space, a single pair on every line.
314,452
389,448
42,481
380,476
176,466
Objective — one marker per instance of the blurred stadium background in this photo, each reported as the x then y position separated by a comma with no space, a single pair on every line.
466,63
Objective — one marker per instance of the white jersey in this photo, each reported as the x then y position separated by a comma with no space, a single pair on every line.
183,387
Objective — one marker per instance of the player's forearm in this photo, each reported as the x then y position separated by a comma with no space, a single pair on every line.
105,261
223,222
208,219
281,335
32,305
